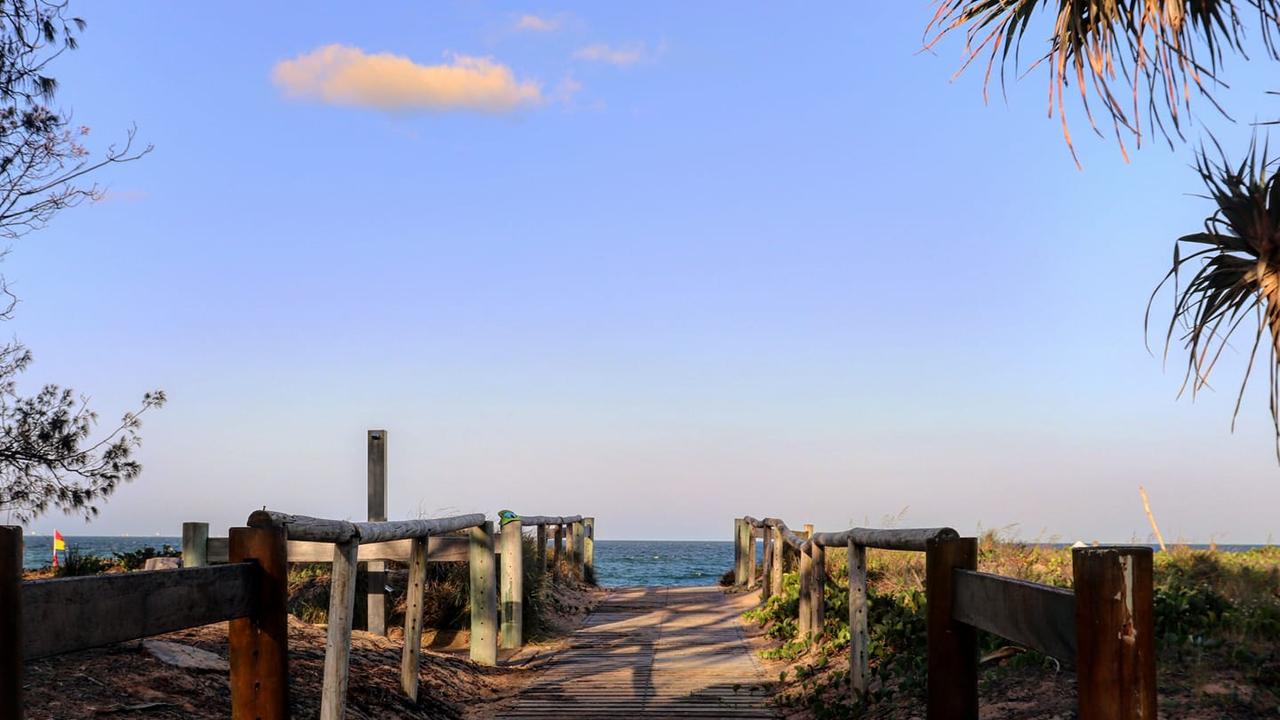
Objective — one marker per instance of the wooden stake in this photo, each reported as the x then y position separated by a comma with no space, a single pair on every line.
1115,633
541,553
817,591
195,544
589,549
376,579
857,620
11,648
337,650
766,575
411,657
953,646
512,633
259,645
1146,505
484,597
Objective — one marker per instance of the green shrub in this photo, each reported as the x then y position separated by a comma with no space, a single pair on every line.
77,563
137,559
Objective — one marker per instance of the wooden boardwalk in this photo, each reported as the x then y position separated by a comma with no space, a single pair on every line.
654,653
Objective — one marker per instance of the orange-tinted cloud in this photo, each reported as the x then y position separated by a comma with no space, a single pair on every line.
537,23
343,75
622,56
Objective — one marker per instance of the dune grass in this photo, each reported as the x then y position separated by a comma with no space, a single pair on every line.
1217,617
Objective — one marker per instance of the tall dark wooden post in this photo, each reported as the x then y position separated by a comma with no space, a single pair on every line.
377,575
953,646
259,644
1115,633
11,649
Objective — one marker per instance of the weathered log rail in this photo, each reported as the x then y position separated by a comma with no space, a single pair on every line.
243,579
1104,627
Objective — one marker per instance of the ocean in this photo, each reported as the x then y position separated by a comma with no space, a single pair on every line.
619,563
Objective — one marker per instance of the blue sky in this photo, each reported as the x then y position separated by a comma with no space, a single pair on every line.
671,264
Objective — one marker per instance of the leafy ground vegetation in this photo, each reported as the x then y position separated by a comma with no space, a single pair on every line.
125,680
1217,618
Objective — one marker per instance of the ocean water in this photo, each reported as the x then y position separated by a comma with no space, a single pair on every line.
618,562
622,563
38,549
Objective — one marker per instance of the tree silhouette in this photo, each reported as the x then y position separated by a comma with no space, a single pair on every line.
49,456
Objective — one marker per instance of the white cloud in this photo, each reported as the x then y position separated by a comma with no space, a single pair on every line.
622,56
536,23
344,75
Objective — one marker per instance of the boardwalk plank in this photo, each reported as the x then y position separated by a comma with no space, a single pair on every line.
653,652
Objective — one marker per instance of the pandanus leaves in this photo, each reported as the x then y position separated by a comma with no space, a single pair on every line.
1128,56
1234,269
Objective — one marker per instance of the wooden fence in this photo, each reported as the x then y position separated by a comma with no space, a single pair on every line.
43,618
1105,628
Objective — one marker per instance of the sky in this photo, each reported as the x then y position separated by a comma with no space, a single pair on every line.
664,264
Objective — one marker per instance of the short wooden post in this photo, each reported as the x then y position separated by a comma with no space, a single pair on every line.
575,549
778,548
11,649
751,554
337,650
195,544
766,574
484,596
589,549
857,620
512,632
376,579
557,550
805,614
411,656
1115,633
953,646
739,553
817,590
541,553
259,645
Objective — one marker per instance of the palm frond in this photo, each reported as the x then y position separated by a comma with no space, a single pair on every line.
1133,58
1234,265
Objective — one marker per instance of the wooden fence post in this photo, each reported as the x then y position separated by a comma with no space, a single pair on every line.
195,544
778,549
1115,633
953,646
411,656
337,651
589,549
575,549
541,553
11,648
766,571
857,620
376,570
512,633
805,614
557,550
817,590
484,596
739,553
751,554
259,645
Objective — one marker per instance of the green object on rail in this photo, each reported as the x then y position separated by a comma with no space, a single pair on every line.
506,516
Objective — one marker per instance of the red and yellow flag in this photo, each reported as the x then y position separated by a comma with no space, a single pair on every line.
59,543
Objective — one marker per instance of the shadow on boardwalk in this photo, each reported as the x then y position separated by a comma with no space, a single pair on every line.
653,652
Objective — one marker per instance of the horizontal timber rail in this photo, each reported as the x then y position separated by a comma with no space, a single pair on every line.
496,593
42,618
1105,627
